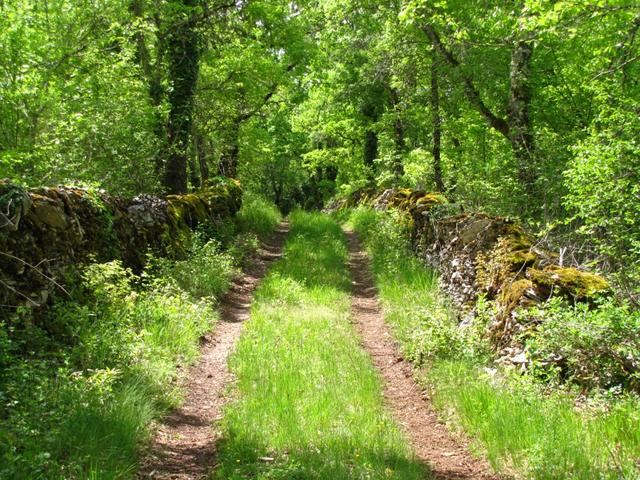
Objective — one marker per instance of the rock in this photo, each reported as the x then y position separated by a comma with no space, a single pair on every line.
50,214
57,229
480,254
568,281
471,233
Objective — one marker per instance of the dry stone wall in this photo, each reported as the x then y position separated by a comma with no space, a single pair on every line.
482,254
46,233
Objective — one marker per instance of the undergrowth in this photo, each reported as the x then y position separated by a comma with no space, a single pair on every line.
531,425
80,388
258,215
308,401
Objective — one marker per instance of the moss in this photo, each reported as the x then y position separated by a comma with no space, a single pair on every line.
513,295
11,197
359,197
431,199
507,262
519,247
568,281
522,259
516,236
71,225
403,193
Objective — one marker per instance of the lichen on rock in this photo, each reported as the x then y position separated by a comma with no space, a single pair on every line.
567,281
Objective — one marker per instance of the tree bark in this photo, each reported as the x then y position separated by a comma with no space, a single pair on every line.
184,54
199,144
471,91
437,127
228,166
370,147
399,134
520,124
194,171
153,74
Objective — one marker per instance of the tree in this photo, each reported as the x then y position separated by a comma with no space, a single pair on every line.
184,56
517,127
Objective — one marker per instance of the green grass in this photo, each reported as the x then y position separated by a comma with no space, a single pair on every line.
81,402
541,436
79,391
308,400
521,428
258,215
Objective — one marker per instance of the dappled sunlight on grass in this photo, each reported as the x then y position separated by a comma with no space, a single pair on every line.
522,429
309,402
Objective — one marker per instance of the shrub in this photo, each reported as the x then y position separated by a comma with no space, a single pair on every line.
603,183
206,274
78,397
594,347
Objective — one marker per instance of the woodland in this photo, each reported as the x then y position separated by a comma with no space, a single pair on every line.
170,168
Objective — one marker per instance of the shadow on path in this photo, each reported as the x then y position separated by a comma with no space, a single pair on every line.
447,458
184,444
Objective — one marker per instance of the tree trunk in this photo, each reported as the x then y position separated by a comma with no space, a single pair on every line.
520,124
399,135
194,171
228,166
470,90
183,72
229,161
437,127
153,74
518,127
201,153
370,147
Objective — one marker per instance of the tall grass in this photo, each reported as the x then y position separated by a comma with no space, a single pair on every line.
541,436
258,215
521,428
79,391
308,401
83,402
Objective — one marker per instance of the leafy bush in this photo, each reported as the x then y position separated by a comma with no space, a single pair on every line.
196,276
604,193
594,347
77,398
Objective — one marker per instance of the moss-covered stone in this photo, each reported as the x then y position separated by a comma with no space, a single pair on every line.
512,294
482,254
567,281
50,231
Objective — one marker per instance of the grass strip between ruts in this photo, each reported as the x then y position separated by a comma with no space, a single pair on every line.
308,400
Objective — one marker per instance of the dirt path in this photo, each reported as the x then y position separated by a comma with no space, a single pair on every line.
447,457
183,447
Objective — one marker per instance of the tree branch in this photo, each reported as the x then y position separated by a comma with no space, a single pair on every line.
471,91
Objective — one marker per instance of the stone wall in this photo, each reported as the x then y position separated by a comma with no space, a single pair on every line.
47,233
478,254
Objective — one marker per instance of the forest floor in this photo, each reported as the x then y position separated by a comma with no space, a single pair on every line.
183,446
315,386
